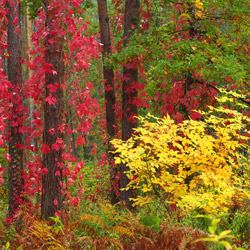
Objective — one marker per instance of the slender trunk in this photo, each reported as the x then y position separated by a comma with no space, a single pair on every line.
16,115
72,137
129,108
51,181
189,74
109,86
26,72
29,45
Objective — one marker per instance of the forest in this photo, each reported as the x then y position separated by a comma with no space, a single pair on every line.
124,124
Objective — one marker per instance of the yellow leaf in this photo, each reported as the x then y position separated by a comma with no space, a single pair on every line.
198,4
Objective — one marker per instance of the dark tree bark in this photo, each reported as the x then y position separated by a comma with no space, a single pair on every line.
16,112
108,75
72,137
129,109
51,182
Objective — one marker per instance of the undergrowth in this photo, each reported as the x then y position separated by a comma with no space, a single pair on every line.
116,228
95,224
99,225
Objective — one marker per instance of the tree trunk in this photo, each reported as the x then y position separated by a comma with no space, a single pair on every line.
16,113
109,86
29,45
51,181
130,73
72,136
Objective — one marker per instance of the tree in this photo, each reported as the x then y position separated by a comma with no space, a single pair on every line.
53,108
108,75
16,110
129,93
188,49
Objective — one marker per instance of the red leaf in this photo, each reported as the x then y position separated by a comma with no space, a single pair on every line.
94,150
57,173
53,32
70,182
8,157
50,99
195,115
60,165
58,213
52,131
80,140
179,117
44,171
45,149
63,86
51,41
19,146
137,102
68,131
191,93
32,148
1,180
37,122
170,109
1,141
15,21
53,87
56,146
60,128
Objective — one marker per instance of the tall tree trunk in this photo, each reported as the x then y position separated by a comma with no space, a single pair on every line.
29,45
26,33
51,181
16,116
109,86
129,109
72,136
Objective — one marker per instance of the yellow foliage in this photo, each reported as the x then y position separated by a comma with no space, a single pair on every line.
198,4
92,218
121,230
200,164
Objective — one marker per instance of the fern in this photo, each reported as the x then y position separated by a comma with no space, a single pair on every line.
92,218
121,230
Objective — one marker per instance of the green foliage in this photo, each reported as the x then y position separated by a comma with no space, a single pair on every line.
240,226
6,247
3,160
220,239
4,186
33,7
58,226
92,182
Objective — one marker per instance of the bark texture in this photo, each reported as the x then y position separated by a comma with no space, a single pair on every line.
51,182
16,111
130,73
108,75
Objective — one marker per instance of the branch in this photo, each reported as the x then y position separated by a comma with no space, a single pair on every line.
214,87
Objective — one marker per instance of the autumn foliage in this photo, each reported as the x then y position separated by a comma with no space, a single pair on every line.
129,102
194,164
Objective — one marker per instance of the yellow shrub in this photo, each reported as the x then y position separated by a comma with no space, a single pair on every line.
200,164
